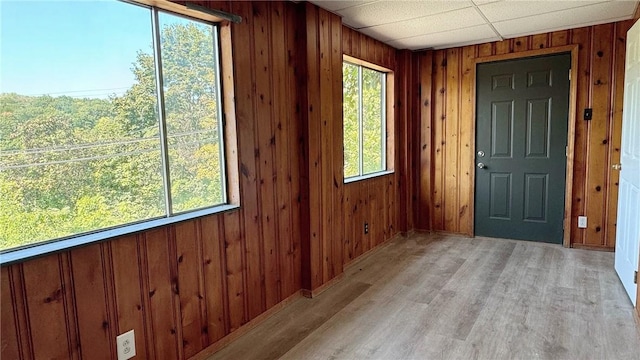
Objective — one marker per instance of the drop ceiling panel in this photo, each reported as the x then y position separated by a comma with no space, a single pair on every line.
426,25
480,2
339,5
566,19
497,11
384,12
446,39
422,24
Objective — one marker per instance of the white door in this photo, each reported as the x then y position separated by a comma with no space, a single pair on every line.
628,223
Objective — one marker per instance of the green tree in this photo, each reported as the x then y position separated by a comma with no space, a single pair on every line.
70,165
189,64
363,97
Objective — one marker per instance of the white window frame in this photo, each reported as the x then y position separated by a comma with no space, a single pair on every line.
386,119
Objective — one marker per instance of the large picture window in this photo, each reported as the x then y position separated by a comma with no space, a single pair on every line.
110,115
364,116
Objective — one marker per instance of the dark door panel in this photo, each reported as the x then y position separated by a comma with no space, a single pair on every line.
521,134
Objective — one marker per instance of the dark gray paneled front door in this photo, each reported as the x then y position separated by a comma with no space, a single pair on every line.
521,134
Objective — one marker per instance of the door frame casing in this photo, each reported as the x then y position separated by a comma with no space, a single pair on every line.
573,93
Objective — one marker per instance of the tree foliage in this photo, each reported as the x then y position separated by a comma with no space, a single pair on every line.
363,103
69,166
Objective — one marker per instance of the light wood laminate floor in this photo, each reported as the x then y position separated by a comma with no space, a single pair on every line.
444,297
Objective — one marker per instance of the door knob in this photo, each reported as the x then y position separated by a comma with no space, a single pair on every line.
481,153
617,166
481,166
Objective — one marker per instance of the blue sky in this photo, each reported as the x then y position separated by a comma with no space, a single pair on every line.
78,48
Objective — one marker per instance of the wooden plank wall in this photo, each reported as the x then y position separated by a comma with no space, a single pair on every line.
184,287
407,159
324,138
447,123
375,201
187,287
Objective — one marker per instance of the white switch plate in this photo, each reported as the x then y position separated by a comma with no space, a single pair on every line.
582,222
126,345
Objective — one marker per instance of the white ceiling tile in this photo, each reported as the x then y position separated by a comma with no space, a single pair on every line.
384,12
438,24
426,25
474,34
506,10
566,19
480,2
332,5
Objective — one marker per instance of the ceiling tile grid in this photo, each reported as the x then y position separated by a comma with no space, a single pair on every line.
437,24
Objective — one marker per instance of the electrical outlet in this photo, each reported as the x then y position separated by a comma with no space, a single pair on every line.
582,222
366,228
126,345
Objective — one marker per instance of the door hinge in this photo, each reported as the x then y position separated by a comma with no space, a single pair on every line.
635,277
566,151
569,74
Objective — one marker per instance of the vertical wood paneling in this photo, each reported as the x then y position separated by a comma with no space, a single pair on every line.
581,36
539,41
349,211
280,126
161,295
20,311
91,306
451,139
70,311
337,176
245,97
326,143
425,205
413,141
596,142
146,299
184,287
363,206
519,44
9,342
128,290
503,47
439,145
297,106
214,288
376,201
265,151
365,202
313,137
485,49
188,258
235,274
402,130
467,139
44,296
560,38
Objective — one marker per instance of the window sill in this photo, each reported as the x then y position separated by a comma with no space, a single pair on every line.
47,248
368,176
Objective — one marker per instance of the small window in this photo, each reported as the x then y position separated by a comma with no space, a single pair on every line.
365,119
115,121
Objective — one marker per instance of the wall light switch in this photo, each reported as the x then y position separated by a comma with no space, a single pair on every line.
582,222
